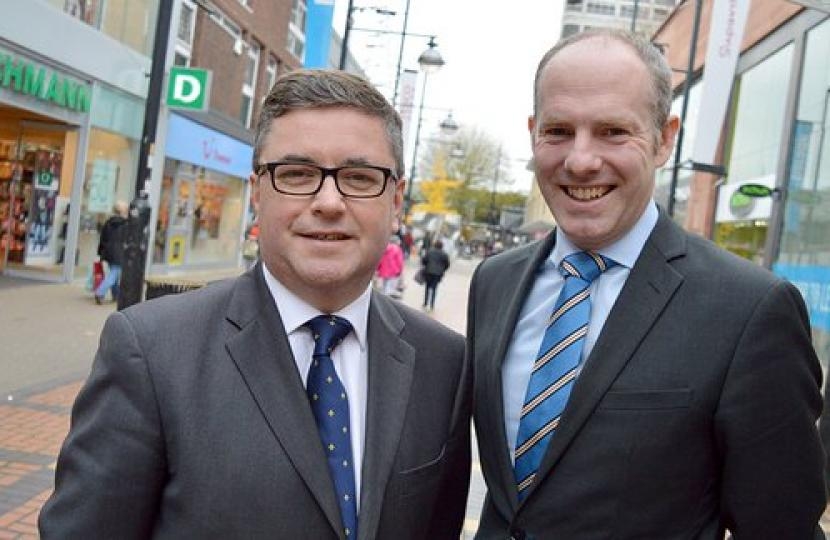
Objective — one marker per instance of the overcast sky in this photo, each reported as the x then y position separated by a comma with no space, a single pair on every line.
491,52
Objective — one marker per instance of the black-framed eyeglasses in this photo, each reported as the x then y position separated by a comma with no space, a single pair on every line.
353,181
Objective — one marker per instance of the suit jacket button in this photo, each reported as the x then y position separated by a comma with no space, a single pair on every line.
517,534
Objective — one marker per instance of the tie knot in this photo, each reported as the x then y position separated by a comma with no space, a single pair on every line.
328,331
585,265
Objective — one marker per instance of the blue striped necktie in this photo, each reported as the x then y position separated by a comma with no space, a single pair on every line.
331,410
556,365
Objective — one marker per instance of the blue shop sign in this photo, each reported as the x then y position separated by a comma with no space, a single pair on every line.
193,143
814,284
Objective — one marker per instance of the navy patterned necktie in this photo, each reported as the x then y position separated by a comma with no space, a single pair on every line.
557,364
330,405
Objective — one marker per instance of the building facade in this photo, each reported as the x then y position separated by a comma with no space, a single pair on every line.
73,86
773,135
72,89
199,190
641,16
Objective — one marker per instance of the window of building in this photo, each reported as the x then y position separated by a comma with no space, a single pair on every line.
669,3
643,12
225,23
660,13
574,5
131,22
271,72
569,30
249,83
296,28
601,8
184,34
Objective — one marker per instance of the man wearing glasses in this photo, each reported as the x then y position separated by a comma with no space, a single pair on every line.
293,401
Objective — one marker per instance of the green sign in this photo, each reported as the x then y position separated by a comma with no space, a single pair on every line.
755,190
44,84
188,88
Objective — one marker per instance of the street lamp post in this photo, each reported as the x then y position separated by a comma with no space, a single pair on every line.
430,61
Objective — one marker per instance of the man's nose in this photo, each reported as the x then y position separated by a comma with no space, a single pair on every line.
328,195
583,158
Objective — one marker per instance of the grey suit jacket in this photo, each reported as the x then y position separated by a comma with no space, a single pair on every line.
194,423
695,411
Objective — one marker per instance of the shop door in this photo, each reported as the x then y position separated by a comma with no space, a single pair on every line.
33,201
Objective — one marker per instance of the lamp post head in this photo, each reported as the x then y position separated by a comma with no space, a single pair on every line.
448,125
431,60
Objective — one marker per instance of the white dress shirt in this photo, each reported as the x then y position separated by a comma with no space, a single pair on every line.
350,357
530,326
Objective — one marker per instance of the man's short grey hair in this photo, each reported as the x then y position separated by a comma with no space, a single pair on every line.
321,88
656,64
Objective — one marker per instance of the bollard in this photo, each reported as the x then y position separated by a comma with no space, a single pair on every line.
135,253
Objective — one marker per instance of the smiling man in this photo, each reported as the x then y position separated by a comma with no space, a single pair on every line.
631,380
293,401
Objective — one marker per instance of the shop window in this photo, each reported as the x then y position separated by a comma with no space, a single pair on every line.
753,152
804,254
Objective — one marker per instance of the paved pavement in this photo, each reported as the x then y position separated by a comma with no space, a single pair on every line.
48,337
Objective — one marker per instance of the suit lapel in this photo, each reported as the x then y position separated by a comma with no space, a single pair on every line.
649,287
526,268
263,357
391,364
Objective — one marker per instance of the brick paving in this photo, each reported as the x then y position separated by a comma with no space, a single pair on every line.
32,428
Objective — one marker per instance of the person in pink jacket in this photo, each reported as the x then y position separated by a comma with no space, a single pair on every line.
390,267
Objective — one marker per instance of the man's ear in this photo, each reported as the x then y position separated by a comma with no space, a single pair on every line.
531,128
400,190
666,142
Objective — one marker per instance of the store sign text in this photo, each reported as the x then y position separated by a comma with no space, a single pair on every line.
39,82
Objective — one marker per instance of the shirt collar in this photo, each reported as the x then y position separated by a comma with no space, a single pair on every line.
624,251
295,311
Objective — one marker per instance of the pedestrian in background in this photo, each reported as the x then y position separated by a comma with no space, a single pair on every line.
435,263
111,251
634,380
293,401
390,267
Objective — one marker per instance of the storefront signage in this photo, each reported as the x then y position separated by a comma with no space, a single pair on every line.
756,190
44,84
188,88
193,143
814,284
735,205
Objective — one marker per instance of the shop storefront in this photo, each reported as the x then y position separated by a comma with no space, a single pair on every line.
67,153
804,252
203,198
44,114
